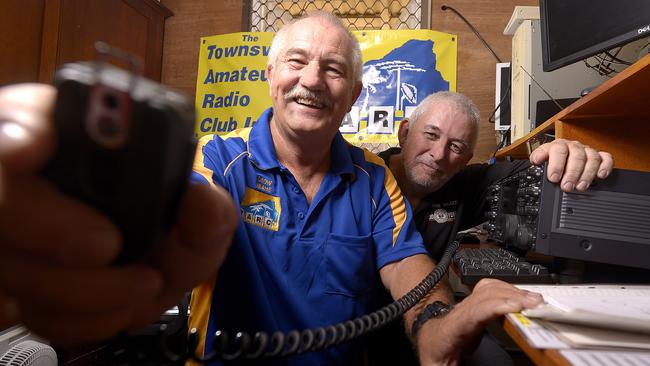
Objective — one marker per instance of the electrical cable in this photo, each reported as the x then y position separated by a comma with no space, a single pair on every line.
445,7
504,137
279,344
606,59
559,106
492,118
615,58
604,69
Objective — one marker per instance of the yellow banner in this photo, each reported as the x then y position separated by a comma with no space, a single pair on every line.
401,67
231,85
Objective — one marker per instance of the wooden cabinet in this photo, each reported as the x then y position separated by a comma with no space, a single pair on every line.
615,117
21,30
62,31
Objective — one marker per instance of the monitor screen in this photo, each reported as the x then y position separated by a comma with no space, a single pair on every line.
573,30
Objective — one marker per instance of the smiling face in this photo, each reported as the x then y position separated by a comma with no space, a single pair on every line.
311,81
436,146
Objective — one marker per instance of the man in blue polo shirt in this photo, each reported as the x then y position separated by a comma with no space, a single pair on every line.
321,220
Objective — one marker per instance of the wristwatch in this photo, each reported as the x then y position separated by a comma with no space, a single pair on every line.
436,309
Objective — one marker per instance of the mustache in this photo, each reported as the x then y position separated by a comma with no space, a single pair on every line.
300,92
430,162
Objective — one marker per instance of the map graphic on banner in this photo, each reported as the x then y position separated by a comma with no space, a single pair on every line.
401,67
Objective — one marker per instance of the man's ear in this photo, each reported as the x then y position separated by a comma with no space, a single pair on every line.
269,76
355,94
403,131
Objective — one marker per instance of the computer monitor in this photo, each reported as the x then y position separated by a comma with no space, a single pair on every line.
573,30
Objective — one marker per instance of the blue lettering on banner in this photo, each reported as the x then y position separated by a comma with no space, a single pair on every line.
243,74
215,125
231,100
215,53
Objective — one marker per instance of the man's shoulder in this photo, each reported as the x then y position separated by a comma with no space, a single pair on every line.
386,154
366,158
369,165
232,143
235,142
219,153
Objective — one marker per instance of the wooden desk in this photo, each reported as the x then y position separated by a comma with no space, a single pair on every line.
541,357
614,117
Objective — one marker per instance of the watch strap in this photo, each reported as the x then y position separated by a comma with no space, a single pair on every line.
436,309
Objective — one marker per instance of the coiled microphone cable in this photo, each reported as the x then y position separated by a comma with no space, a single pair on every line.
295,342
261,345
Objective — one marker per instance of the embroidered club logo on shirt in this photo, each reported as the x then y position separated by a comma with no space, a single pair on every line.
441,216
261,209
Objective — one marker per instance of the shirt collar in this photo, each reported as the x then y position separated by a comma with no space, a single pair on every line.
341,157
262,152
260,143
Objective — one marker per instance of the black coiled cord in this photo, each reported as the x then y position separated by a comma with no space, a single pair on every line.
261,345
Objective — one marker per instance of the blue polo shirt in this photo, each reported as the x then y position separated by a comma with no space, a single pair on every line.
293,265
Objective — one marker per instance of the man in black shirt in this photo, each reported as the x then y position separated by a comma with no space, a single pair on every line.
431,169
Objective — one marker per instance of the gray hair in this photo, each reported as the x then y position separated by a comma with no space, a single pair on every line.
280,40
461,101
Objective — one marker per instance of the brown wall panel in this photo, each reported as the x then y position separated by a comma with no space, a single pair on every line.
192,20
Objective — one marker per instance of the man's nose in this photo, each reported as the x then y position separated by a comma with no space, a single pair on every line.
312,76
438,150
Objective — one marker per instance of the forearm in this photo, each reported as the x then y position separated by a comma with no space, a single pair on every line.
403,276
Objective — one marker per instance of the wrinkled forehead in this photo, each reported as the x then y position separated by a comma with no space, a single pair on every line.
448,117
314,33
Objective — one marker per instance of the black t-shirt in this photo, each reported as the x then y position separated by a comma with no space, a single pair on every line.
435,215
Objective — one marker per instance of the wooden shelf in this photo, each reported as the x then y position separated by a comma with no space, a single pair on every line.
540,357
614,117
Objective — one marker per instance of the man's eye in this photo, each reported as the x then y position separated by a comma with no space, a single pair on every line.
295,62
456,148
334,71
431,135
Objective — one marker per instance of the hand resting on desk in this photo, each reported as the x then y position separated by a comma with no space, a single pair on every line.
458,331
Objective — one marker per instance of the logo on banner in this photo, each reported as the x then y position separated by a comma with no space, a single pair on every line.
393,86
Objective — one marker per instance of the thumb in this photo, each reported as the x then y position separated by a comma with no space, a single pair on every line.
26,134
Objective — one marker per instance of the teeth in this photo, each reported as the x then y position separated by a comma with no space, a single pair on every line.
309,102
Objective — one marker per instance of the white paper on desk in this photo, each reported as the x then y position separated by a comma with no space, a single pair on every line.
535,334
579,336
605,358
610,306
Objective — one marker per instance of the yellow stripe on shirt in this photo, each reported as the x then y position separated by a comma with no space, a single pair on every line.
199,165
200,314
397,204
